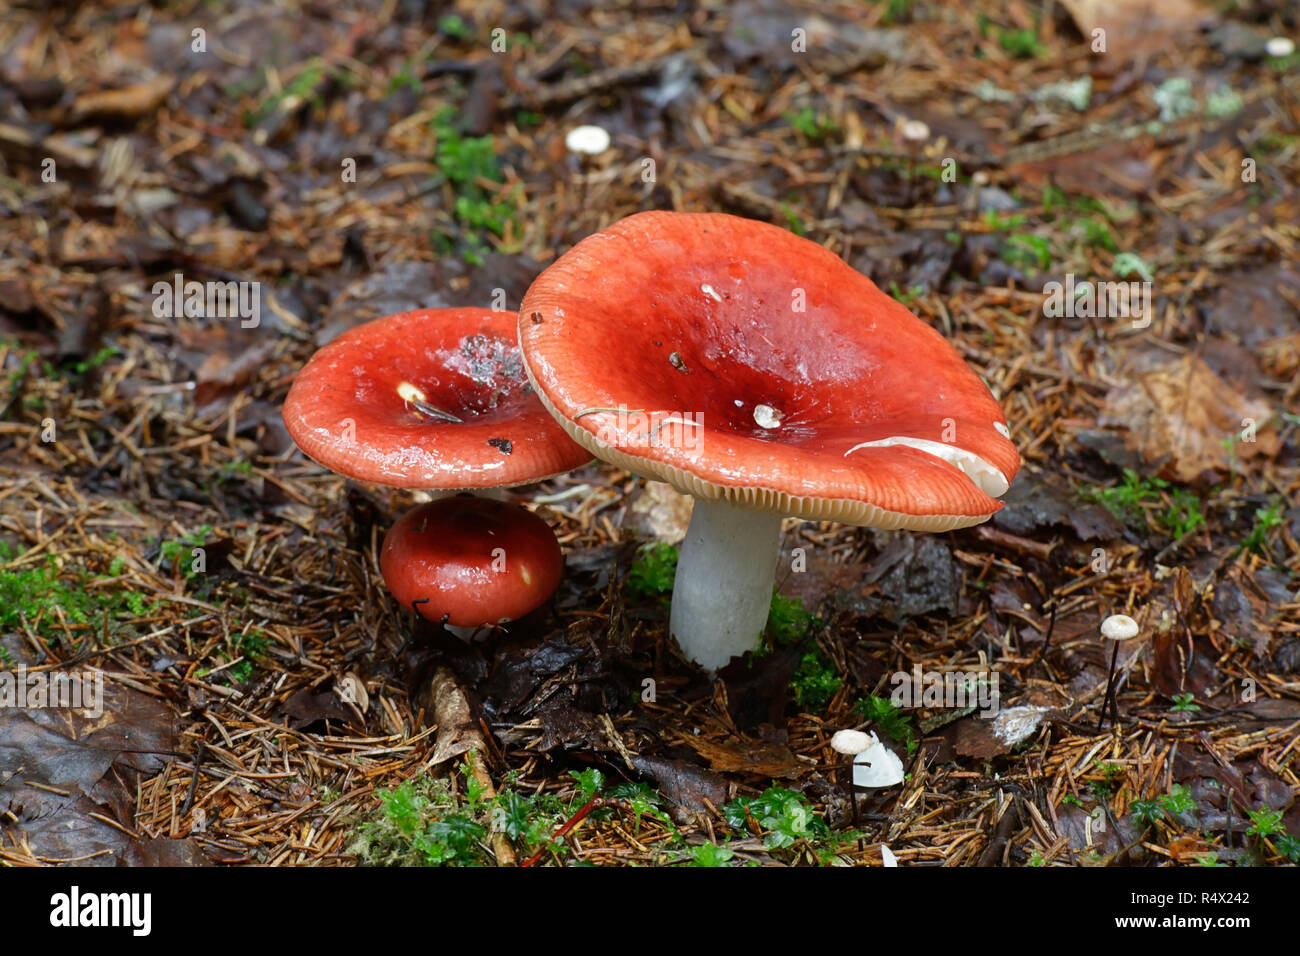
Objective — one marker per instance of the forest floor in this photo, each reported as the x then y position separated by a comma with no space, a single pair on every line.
266,702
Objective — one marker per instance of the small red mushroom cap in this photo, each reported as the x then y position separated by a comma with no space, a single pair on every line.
471,561
434,398
735,360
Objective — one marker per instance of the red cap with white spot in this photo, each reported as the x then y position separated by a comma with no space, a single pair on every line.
434,398
758,372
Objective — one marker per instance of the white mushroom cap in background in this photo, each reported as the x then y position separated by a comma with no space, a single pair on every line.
851,741
1119,627
877,766
915,131
887,857
1279,47
587,140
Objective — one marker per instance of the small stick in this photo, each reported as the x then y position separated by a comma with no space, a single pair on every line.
1109,701
194,781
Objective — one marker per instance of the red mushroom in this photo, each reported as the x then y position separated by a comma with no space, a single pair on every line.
759,373
466,561
437,399
434,398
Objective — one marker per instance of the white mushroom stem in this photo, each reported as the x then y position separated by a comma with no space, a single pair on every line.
723,589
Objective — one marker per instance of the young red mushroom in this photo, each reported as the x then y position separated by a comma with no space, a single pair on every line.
759,373
434,399
466,561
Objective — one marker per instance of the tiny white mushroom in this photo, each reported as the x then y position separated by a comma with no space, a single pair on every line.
587,140
1279,46
1119,627
877,766
850,741
915,131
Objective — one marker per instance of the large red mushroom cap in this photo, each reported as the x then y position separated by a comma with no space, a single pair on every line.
737,361
434,398
469,561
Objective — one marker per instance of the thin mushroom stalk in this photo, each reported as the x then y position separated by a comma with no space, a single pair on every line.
723,589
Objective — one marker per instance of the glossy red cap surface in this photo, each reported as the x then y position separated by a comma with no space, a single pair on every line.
476,560
736,360
356,407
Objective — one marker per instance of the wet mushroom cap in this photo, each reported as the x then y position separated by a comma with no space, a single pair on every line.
1119,627
475,560
434,398
735,360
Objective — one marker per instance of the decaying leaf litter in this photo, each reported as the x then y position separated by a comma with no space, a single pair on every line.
276,707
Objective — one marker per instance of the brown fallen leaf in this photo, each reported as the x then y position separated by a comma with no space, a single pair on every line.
68,777
741,755
1182,666
130,102
458,731
1136,28
1179,414
1115,169
308,707
685,785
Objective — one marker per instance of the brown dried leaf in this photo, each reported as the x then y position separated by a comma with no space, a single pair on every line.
1136,28
458,730
685,784
741,755
1181,666
65,774
1179,413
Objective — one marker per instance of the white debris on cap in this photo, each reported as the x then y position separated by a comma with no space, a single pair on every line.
587,140
1279,46
409,393
877,766
887,857
765,416
1119,627
1002,429
985,475
916,131
850,741
1015,724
